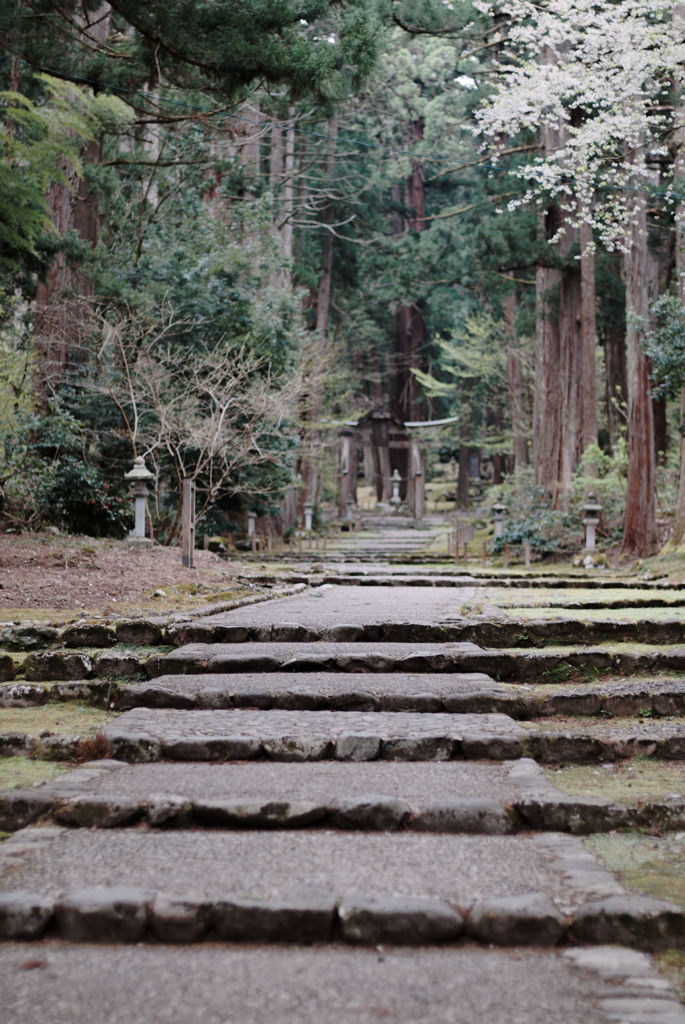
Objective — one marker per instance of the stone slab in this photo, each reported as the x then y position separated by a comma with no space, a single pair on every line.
515,664
296,985
592,740
422,784
275,865
160,734
310,657
449,691
342,691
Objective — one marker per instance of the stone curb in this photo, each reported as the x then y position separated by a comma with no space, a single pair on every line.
149,631
623,701
629,989
130,914
487,633
540,811
514,665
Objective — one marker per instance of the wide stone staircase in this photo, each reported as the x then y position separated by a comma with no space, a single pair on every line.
333,805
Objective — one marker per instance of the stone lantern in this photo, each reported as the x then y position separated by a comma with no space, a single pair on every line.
499,511
592,509
308,514
138,479
395,481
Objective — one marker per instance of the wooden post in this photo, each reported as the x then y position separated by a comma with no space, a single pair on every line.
253,538
188,531
269,543
485,552
526,553
466,553
505,557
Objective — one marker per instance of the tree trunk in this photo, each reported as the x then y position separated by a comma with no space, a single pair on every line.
464,450
312,410
515,381
63,300
410,333
639,530
678,183
588,341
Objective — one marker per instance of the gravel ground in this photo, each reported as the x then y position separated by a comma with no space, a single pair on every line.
74,984
261,864
422,781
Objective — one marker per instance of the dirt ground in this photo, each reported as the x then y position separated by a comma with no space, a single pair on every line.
43,574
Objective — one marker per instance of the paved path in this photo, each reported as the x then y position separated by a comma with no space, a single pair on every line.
333,772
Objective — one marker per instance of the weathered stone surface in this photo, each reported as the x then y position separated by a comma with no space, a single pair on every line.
530,919
306,917
23,695
98,812
578,815
179,920
7,668
257,814
140,632
88,634
58,748
151,695
141,735
168,811
565,746
475,816
637,921
24,915
404,920
27,638
99,914
583,702
419,748
493,746
134,747
12,743
19,807
45,665
298,748
354,747
113,666
369,812
210,748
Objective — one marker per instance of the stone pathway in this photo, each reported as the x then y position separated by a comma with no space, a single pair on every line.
341,771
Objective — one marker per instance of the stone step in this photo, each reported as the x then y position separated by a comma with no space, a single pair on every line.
362,888
541,665
443,797
145,734
485,633
210,735
218,735
333,984
299,657
452,692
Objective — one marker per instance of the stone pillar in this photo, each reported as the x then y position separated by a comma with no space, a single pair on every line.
188,556
138,479
395,481
416,495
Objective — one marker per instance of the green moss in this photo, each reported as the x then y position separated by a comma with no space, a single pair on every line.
652,865
629,782
672,963
21,772
67,719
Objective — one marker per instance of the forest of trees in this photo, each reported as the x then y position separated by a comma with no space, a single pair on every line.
226,225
